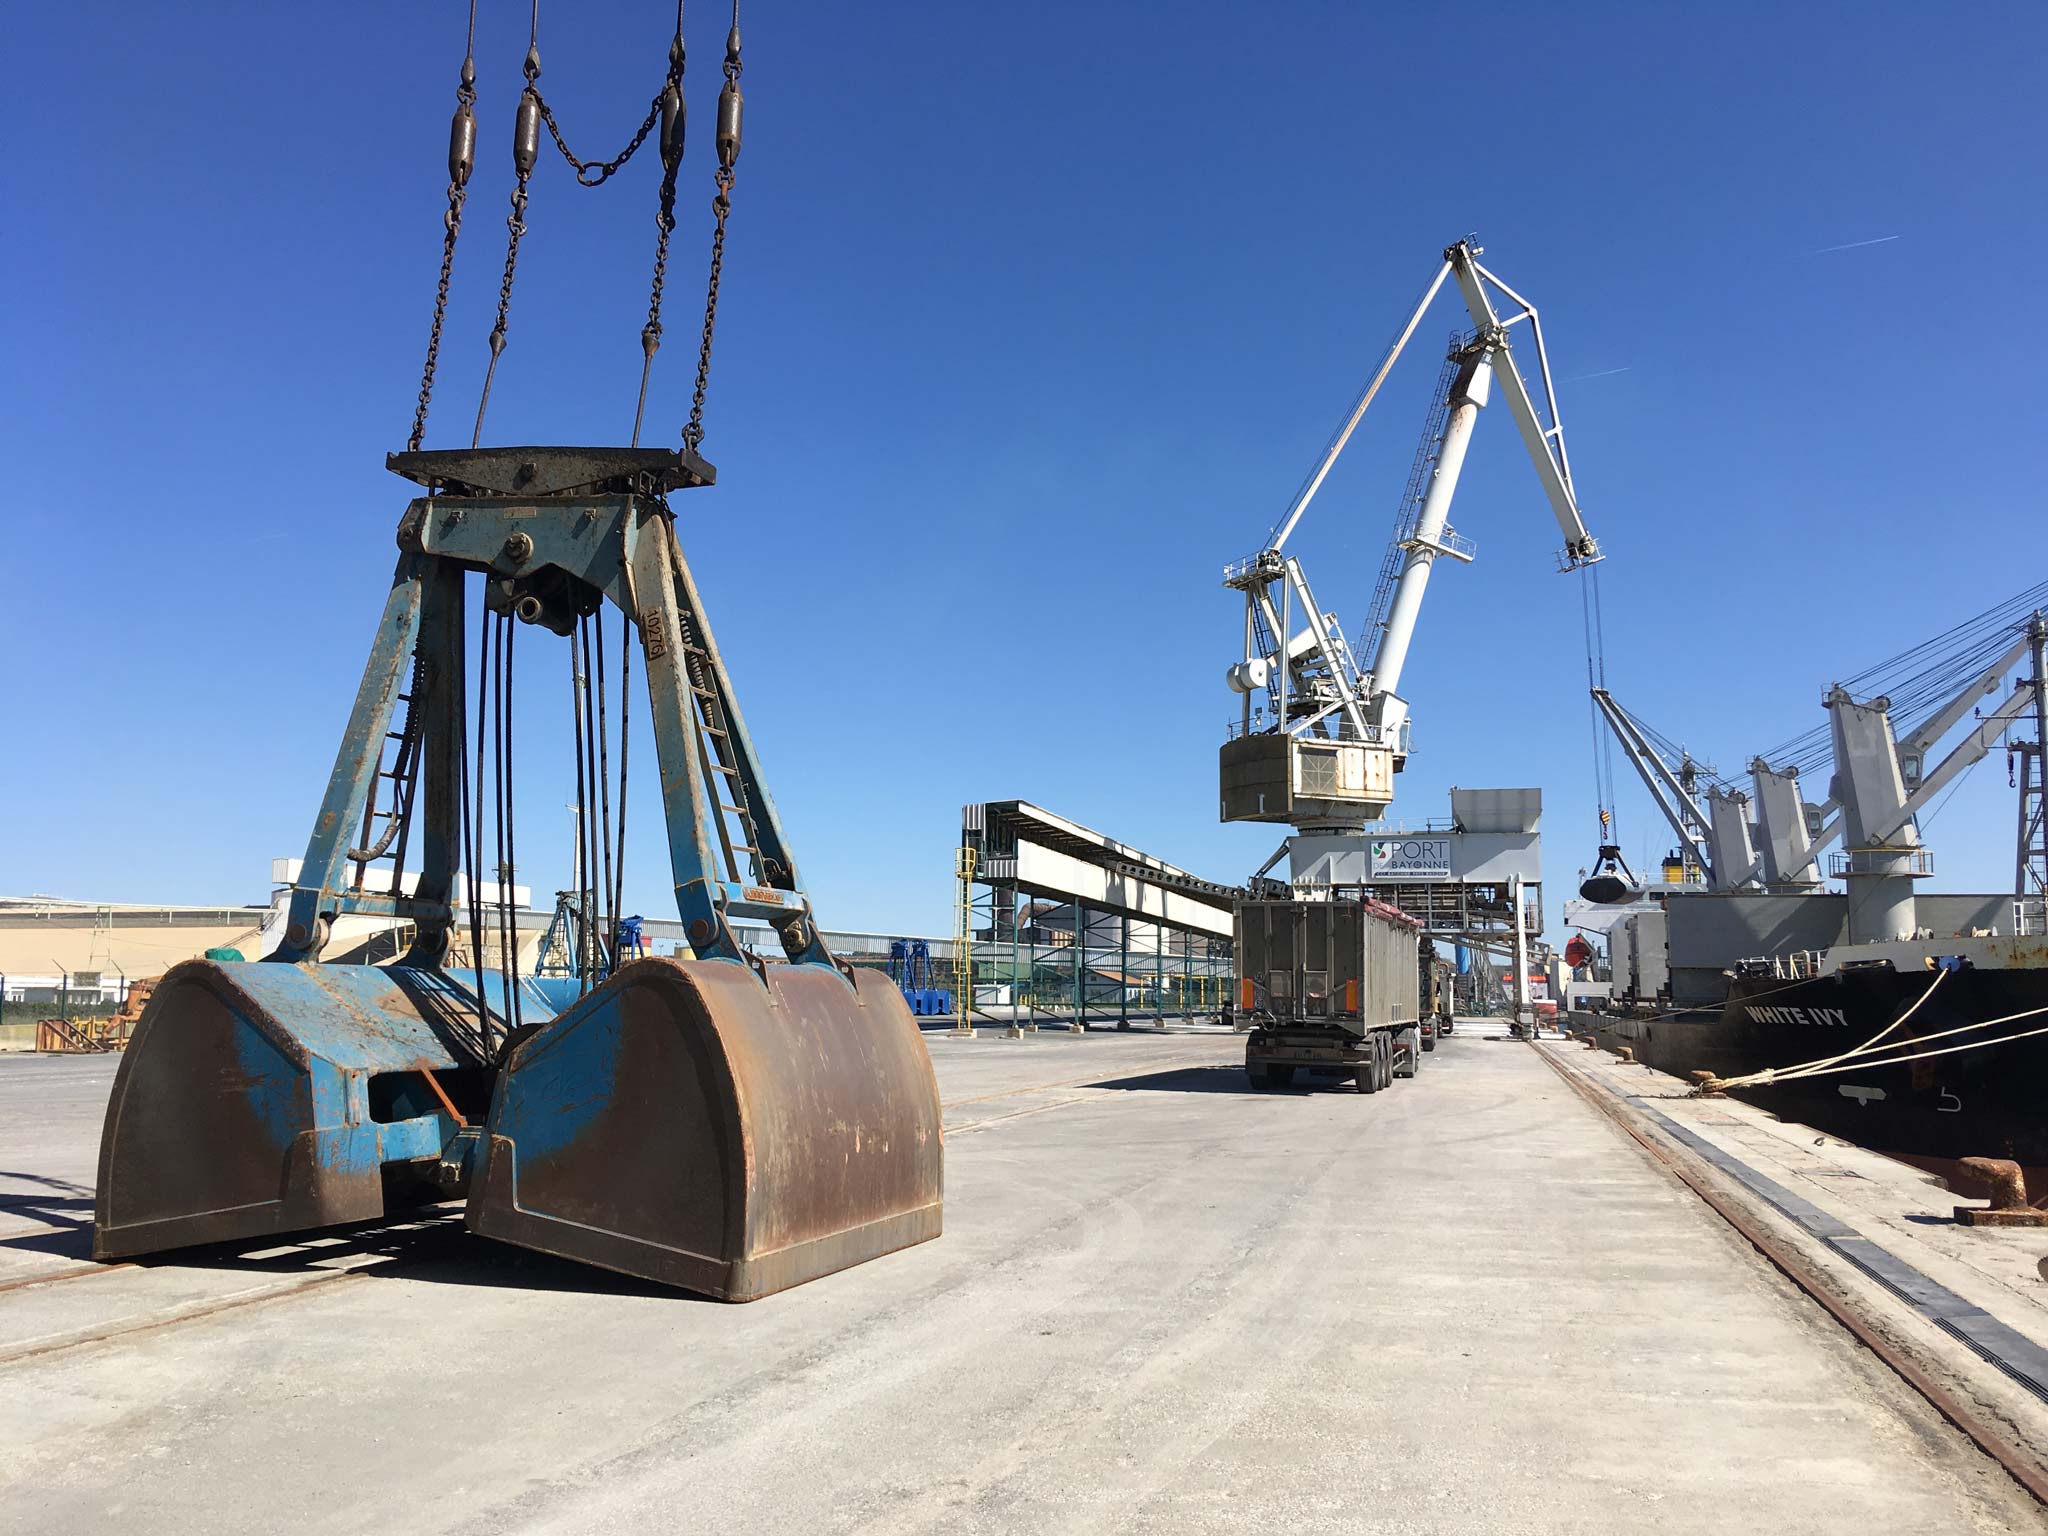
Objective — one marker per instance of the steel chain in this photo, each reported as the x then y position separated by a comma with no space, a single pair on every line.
516,223
650,334
664,219
451,229
457,196
721,205
605,169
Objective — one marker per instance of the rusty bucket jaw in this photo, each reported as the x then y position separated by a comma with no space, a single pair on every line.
704,1125
264,1098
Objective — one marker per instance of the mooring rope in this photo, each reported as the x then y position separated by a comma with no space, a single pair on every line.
1772,1074
1868,1053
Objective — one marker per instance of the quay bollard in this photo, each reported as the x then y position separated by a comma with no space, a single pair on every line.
2008,1206
1626,1053
1707,1086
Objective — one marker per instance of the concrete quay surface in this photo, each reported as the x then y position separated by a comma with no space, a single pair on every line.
1164,1302
1876,1234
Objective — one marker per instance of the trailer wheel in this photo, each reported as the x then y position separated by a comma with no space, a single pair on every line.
1386,1061
1429,1041
1368,1073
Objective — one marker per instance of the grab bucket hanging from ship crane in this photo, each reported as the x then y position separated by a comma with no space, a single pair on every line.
1612,881
723,1123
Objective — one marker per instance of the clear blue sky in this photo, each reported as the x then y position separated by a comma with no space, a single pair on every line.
1034,316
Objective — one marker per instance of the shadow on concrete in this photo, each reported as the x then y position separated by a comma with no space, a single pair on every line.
65,1212
55,1209
1229,1078
429,1245
474,1261
433,1248
65,1242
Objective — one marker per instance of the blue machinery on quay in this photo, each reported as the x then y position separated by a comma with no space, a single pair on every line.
721,1122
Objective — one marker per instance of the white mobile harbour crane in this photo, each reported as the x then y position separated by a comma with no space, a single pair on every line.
1328,978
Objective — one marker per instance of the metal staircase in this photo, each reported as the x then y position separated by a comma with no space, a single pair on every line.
723,775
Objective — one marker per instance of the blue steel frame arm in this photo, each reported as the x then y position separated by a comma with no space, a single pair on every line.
624,547
444,707
673,627
777,864
316,897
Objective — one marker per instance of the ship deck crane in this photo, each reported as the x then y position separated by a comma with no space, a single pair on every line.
1322,750
1882,780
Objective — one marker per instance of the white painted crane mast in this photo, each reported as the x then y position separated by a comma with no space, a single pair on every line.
1333,731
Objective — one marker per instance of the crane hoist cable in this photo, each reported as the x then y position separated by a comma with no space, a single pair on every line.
1596,677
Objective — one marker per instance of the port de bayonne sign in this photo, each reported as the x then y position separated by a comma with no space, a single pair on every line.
1411,858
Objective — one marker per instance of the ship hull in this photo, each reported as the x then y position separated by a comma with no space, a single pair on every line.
1982,1102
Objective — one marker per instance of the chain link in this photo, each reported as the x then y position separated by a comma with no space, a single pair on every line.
516,224
650,334
728,154
593,173
674,117
451,229
525,151
721,205
457,196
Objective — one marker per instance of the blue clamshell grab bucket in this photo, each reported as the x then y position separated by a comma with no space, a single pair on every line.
722,1123
731,1132
705,1124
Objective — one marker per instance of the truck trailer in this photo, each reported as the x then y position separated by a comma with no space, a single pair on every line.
1331,984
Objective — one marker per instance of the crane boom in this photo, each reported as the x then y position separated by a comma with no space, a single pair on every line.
1337,443
1545,444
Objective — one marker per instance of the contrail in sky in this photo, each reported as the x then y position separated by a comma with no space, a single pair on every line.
1853,245
1580,378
